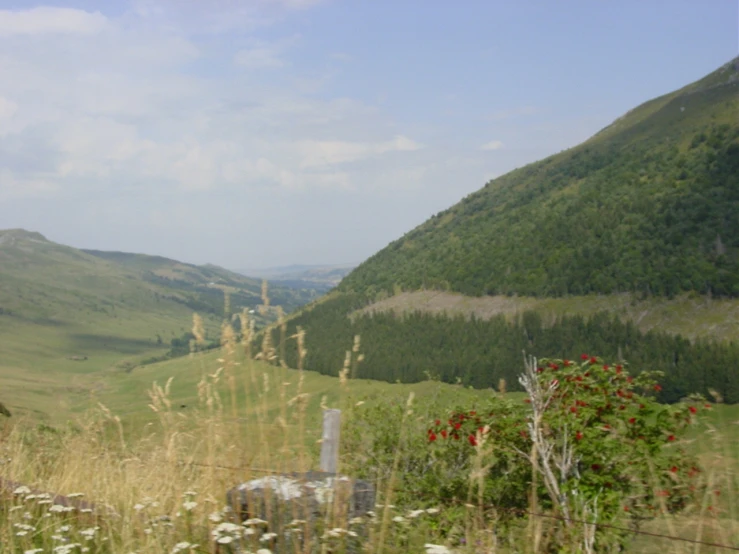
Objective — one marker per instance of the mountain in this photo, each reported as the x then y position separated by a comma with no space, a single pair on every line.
320,278
650,205
66,314
571,254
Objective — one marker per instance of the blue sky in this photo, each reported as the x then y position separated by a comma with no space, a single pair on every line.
257,133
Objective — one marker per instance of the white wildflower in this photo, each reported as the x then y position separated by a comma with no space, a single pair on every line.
433,511
413,514
189,506
216,517
436,549
399,519
22,490
268,537
225,540
66,548
89,533
182,546
254,521
76,495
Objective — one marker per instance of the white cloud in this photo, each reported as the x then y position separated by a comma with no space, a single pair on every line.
511,113
492,145
327,153
120,113
7,108
45,20
259,57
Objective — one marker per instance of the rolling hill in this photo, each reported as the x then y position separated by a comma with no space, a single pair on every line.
322,278
66,314
626,245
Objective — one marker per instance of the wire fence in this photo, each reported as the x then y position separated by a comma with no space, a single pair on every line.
516,511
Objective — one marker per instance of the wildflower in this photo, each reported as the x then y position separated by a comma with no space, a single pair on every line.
189,505
415,513
399,519
436,549
268,537
578,435
657,387
182,546
254,522
472,440
225,539
693,409
593,360
671,438
432,436
584,356
264,551
215,517
673,469
632,420
433,511
22,490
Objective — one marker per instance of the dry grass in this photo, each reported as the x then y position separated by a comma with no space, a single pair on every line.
159,483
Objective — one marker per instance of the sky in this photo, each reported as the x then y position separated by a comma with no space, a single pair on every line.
259,133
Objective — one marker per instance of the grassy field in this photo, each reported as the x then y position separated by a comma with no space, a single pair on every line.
148,441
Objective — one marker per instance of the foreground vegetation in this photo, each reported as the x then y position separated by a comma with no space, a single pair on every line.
156,460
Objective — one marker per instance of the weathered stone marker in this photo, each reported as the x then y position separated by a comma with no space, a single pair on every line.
292,504
330,440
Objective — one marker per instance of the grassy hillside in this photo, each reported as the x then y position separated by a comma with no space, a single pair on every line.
650,204
627,244
66,314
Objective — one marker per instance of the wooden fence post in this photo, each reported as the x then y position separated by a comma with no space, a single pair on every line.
330,440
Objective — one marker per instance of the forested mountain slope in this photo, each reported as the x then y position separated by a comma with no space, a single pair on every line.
648,208
650,204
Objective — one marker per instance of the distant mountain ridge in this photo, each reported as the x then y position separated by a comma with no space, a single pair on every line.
319,277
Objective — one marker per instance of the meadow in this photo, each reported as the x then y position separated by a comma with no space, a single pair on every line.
155,449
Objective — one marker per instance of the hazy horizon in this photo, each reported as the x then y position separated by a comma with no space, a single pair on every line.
270,133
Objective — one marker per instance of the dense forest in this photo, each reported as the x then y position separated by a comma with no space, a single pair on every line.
478,352
649,205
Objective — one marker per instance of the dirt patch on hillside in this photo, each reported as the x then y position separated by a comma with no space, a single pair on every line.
451,304
689,315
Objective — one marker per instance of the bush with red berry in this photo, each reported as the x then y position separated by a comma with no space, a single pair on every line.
612,451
